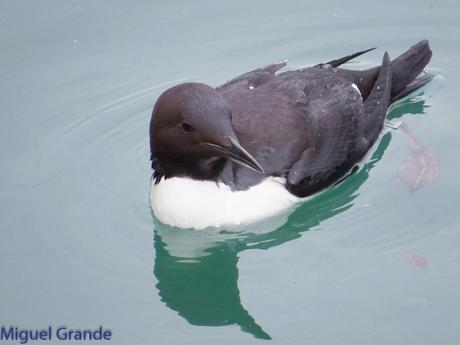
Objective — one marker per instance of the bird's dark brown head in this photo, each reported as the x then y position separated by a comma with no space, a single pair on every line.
191,133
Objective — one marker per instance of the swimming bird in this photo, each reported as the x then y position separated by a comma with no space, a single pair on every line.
261,142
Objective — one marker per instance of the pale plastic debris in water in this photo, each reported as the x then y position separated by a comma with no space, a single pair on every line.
416,260
420,167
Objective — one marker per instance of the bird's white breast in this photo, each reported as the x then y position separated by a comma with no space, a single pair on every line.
188,203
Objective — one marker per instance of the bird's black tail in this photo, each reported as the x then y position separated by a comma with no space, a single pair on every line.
407,67
404,72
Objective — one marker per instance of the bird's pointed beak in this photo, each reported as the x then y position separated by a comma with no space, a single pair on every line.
237,153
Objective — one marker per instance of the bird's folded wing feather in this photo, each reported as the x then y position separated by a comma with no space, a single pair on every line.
253,78
337,117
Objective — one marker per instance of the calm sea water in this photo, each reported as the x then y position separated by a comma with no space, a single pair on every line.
374,260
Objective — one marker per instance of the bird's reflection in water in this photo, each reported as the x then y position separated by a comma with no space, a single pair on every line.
197,271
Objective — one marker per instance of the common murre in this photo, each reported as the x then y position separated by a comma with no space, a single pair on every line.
257,144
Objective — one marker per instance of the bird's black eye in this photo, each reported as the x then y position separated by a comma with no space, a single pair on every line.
187,127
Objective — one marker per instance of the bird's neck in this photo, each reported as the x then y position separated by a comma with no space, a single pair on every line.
197,169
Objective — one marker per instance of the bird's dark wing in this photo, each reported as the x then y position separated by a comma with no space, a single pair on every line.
263,75
377,103
253,78
345,129
337,117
